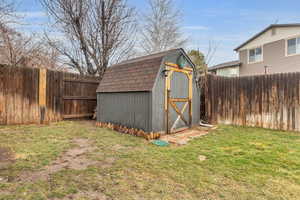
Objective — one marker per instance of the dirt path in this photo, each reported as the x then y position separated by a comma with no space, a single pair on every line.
74,158
86,195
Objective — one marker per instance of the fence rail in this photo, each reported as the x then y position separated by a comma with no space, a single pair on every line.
269,101
30,95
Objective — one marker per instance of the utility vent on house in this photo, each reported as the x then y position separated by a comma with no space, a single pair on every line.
273,31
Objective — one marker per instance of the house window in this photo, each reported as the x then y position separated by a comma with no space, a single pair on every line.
293,46
255,55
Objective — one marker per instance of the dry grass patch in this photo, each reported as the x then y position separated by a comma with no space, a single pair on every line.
76,160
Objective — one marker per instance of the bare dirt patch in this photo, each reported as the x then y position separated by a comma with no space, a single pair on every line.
108,162
6,158
92,195
74,158
118,147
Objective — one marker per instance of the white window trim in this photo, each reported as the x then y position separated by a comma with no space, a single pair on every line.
262,54
286,46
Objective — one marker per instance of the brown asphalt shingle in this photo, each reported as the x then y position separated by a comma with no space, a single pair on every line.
134,75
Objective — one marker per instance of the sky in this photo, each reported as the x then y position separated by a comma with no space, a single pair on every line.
226,23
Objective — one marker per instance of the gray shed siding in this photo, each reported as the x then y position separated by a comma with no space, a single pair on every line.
158,103
131,109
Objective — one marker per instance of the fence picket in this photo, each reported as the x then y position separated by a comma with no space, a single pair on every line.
19,95
269,101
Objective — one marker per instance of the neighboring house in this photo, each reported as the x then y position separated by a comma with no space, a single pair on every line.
276,49
230,69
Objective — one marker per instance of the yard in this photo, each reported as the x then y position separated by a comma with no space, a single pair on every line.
76,160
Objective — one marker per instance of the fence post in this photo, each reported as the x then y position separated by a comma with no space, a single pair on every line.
42,93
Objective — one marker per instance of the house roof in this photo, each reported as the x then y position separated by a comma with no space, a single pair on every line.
265,30
133,75
235,63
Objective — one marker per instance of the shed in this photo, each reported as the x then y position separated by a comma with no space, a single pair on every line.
155,93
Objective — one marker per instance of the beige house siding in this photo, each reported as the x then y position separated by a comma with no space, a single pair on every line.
274,56
229,72
267,37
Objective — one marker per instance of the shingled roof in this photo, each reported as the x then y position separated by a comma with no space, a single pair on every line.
133,75
235,63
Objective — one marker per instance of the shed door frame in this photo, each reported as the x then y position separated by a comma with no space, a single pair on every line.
171,102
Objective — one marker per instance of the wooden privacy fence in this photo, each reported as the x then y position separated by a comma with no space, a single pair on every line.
268,101
29,95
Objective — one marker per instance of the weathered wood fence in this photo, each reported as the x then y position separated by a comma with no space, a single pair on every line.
269,101
30,95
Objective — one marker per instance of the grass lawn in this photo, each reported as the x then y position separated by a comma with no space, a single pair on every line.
242,163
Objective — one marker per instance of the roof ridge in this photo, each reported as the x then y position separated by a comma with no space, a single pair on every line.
225,65
227,62
265,30
146,57
153,54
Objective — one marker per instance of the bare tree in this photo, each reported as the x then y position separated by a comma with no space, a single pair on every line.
211,51
161,28
13,46
44,56
7,9
17,49
20,50
96,32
